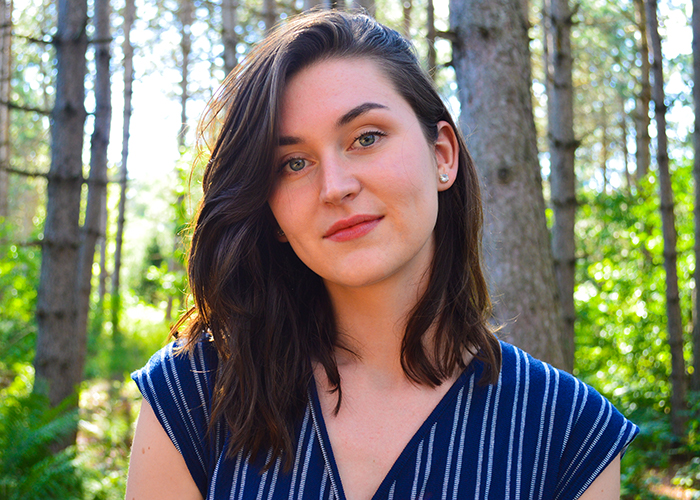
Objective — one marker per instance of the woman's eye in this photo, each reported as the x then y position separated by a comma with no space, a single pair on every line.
296,164
367,140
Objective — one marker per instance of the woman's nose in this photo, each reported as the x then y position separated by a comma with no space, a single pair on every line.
338,181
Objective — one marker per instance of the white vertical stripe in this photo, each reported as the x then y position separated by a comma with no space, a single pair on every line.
263,478
419,456
273,483
179,403
455,421
482,440
391,491
516,395
232,495
428,462
492,444
578,459
307,458
536,464
326,459
460,451
197,375
212,485
545,460
297,455
526,393
244,476
567,433
324,479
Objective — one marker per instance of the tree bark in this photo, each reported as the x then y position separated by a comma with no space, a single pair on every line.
186,19
668,222
562,152
60,354
97,182
492,63
641,115
407,6
430,38
228,33
5,86
604,147
625,148
269,14
128,50
695,381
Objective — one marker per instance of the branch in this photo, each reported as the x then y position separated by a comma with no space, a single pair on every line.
20,107
26,173
22,244
43,41
46,175
447,35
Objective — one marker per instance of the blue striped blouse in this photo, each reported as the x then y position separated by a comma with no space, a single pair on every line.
538,433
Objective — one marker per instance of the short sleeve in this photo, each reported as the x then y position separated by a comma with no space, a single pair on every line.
599,434
178,386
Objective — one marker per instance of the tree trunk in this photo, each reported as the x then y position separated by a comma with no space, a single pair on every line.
60,354
430,38
407,6
696,175
97,182
604,153
269,14
492,64
5,86
625,149
641,115
228,33
668,222
186,19
562,151
104,274
128,50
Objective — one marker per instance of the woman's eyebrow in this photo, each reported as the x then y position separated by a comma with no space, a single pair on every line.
343,120
357,111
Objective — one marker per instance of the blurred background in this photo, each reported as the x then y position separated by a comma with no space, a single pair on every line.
580,116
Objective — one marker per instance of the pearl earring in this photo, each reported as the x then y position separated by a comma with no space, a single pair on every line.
444,178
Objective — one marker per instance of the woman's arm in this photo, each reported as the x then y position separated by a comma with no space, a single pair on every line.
607,485
157,470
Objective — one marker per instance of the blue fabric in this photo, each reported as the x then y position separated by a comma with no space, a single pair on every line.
539,433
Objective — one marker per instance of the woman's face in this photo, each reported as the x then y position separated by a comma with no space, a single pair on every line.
356,195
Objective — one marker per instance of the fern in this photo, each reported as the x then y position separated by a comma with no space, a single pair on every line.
28,467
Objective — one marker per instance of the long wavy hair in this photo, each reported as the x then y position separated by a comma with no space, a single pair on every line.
268,315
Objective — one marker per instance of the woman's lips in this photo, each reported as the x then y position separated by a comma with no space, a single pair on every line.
352,227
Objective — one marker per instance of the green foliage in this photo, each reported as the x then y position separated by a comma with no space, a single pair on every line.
622,346
28,426
19,280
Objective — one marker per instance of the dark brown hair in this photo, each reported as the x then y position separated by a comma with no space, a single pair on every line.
267,313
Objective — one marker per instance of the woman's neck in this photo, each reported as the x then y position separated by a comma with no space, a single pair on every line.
372,321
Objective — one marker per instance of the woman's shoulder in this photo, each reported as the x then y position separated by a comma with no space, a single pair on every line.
176,372
519,366
178,384
589,430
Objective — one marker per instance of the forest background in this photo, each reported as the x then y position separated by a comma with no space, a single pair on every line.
583,135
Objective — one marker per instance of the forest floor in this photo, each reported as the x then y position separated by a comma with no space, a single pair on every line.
661,482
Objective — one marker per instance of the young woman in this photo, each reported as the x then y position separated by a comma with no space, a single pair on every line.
339,344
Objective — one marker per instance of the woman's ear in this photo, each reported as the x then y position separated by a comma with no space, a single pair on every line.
446,155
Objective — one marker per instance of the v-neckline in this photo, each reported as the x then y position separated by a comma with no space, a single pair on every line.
407,452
